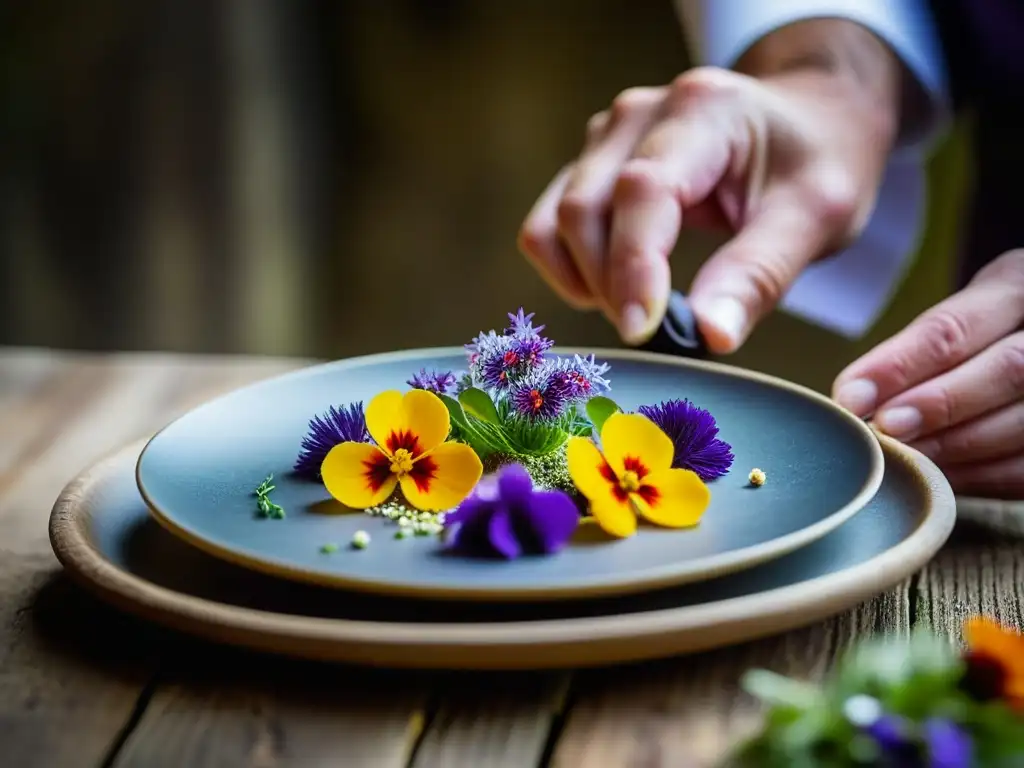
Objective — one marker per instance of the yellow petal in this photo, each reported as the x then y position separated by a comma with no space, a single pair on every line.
589,471
443,478
358,475
417,421
383,414
674,498
616,518
630,437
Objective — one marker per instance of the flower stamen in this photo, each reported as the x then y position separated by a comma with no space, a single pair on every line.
401,462
629,482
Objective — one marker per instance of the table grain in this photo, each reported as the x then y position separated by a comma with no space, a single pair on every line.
83,685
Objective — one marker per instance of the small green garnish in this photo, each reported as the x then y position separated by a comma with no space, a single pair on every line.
360,539
329,548
264,506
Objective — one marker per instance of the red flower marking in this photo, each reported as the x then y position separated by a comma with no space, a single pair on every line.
510,358
536,400
377,471
633,464
404,439
423,473
630,464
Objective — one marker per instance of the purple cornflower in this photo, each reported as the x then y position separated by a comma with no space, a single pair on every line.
582,377
541,396
948,745
507,517
438,382
529,345
695,436
493,360
338,425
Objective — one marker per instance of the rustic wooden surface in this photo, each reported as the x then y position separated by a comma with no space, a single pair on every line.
81,685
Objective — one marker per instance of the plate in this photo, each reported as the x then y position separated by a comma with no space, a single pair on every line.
103,534
198,476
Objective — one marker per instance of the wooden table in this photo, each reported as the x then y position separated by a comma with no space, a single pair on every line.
81,685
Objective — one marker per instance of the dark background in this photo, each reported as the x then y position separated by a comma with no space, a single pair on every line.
325,179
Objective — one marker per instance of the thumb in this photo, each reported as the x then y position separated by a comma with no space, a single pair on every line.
749,275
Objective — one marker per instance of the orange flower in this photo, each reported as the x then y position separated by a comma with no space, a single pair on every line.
999,652
410,432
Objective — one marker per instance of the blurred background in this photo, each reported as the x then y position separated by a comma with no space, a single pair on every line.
327,179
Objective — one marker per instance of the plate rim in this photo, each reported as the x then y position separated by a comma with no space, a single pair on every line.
543,644
668,575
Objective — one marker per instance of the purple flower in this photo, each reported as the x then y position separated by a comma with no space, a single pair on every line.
529,345
494,360
949,746
338,425
507,517
695,435
438,382
582,377
543,396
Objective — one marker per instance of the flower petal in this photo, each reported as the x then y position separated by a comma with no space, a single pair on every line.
632,435
384,414
616,518
358,475
551,517
417,421
514,484
674,498
588,469
502,536
443,478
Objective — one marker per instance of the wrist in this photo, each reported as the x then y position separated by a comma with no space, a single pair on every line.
838,62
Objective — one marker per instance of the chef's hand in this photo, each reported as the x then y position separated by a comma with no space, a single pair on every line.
952,383
788,158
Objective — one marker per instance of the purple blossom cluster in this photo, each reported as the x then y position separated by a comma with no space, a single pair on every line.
946,744
438,382
515,365
694,433
337,425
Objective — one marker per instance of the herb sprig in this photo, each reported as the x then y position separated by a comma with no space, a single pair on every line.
264,506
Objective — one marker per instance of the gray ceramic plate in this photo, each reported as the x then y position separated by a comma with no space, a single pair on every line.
198,476
103,535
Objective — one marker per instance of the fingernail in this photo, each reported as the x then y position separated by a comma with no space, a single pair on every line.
902,422
728,317
633,323
858,396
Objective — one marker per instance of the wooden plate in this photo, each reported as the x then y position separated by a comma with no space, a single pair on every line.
101,531
199,473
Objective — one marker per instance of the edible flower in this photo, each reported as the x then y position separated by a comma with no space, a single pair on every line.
506,516
694,435
410,432
995,662
338,425
632,474
438,382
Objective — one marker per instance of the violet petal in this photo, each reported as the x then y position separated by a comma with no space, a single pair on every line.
514,484
501,535
949,746
551,517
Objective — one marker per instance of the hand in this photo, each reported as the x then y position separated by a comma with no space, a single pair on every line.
951,384
789,163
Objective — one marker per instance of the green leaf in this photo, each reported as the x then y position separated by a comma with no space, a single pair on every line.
599,409
777,690
458,416
478,403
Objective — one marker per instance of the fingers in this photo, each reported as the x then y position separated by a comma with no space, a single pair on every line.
582,213
540,243
992,379
953,331
1002,479
993,435
676,167
748,276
